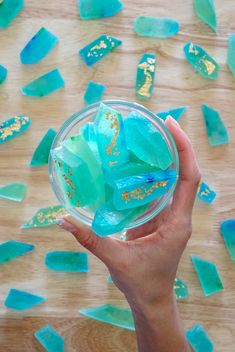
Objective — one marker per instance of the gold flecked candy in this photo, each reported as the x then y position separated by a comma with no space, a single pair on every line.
45,217
13,127
145,76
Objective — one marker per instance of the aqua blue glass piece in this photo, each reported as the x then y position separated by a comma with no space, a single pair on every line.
38,47
180,289
13,127
9,9
44,85
109,279
205,193
13,191
216,131
88,133
175,113
156,27
199,340
145,76
99,48
49,338
231,53
13,249
3,73
110,314
42,152
90,9
20,300
94,92
227,229
67,261
205,10
45,217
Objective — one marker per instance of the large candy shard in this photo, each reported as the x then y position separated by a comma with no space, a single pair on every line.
12,249
175,113
44,85
67,261
231,53
20,300
42,152
50,339
156,27
88,133
201,61
205,10
13,191
145,76
99,48
90,9
110,314
3,72
180,289
45,217
205,193
38,46
216,130
227,229
199,340
94,92
9,9
208,276
13,127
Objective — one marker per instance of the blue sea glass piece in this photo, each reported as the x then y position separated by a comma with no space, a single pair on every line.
205,10
156,27
67,261
99,48
175,113
13,127
13,191
110,314
216,130
94,92
227,229
50,339
9,9
90,9
38,47
3,72
44,85
45,217
180,289
205,193
88,133
13,249
199,340
231,53
20,300
42,152
109,279
145,76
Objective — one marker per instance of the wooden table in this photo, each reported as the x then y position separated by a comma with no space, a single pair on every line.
176,84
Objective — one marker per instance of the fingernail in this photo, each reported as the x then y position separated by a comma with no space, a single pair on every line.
59,222
172,121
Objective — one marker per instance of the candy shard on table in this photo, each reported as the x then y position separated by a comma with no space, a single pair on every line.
13,191
156,27
231,53
205,10
94,92
90,9
9,9
13,127
205,193
3,74
180,289
49,338
20,300
42,152
174,113
227,229
198,339
45,217
67,261
145,76
12,249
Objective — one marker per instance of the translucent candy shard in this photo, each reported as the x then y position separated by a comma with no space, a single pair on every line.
49,338
3,72
12,249
99,48
227,229
205,10
13,191
44,85
109,279
45,217
208,276
67,261
156,27
42,152
205,193
20,300
38,47
110,314
90,9
9,9
145,76
13,127
202,62
180,289
231,53
199,340
216,130
88,133
94,92
175,113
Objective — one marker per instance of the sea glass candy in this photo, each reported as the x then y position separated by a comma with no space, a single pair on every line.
88,133
13,127
67,261
45,217
202,62
90,9
180,289
94,92
205,10
50,339
205,193
231,53
9,9
13,249
175,113
145,76
216,131
3,72
110,314
208,276
227,229
41,153
199,340
20,300
109,279
44,85
13,191
38,47
156,27
99,48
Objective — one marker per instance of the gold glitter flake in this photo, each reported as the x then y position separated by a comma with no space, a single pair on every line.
68,181
192,49
210,67
14,127
148,67
114,124
142,192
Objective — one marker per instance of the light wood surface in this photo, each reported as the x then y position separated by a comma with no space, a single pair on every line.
176,84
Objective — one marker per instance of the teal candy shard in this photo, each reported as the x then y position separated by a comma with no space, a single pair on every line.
9,9
175,113
205,10
231,53
145,76
99,48
199,340
216,130
44,85
50,339
88,133
110,314
20,300
180,289
90,9
156,27
202,62
94,92
67,261
205,193
3,72
109,279
208,276
227,229
13,249
42,152
45,217
38,47
13,191
13,127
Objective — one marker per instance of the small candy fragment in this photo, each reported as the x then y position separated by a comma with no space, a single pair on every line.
99,48
13,127
44,85
180,289
205,193
175,113
38,46
90,9
145,76
208,276
41,153
13,249
20,300
109,279
231,53
45,217
94,92
110,314
216,130
199,340
3,72
49,338
205,10
9,9
13,191
67,261
227,229
201,61
156,27
88,133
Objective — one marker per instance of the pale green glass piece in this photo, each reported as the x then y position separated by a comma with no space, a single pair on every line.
227,229
205,10
94,92
13,127
198,339
205,193
175,113
45,217
88,133
231,53
13,249
3,73
90,9
145,76
216,130
13,191
50,339
180,289
20,300
9,9
156,27
67,261
42,152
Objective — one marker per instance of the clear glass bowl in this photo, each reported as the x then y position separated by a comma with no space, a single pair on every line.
73,125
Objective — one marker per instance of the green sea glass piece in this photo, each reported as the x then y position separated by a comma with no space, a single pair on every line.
20,300
205,193
38,47
110,314
13,191
49,338
13,249
227,229
9,9
44,85
45,217
175,113
231,53
42,152
94,92
205,10
216,130
208,276
202,62
67,261
13,127
3,72
180,289
88,133
90,9
99,48
145,76
199,340
156,27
